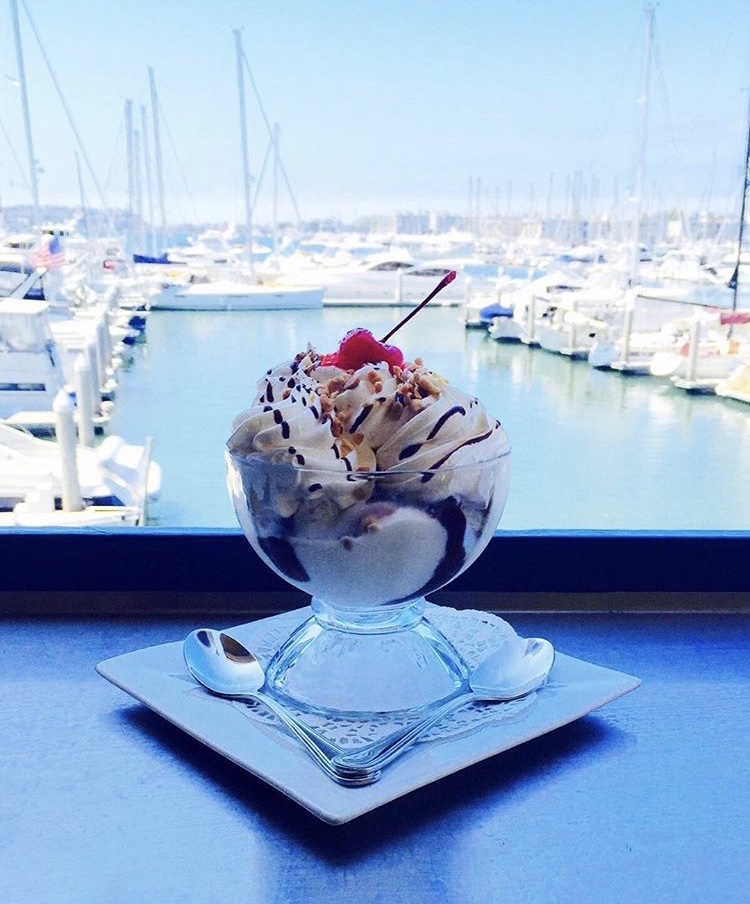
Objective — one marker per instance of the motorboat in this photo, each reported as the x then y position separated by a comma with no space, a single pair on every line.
41,356
115,474
31,366
737,385
229,295
715,347
386,278
491,306
567,331
483,316
559,312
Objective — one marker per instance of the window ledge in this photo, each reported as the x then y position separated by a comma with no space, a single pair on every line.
133,570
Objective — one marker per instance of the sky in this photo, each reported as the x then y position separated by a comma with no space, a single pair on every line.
398,105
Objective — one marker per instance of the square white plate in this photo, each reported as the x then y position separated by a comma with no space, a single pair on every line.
158,677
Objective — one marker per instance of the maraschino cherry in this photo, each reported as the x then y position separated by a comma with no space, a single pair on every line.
360,347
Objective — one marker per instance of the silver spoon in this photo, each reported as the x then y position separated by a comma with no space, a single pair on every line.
228,669
504,675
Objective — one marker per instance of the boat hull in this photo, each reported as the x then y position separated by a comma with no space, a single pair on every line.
208,297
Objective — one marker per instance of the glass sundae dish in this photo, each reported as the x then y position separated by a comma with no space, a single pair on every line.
367,482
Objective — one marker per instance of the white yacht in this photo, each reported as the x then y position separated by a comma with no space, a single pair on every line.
387,278
737,385
113,475
716,346
31,367
230,295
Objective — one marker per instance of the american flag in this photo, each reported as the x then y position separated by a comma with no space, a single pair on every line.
49,254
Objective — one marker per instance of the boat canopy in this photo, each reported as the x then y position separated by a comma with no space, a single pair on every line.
150,259
735,317
13,275
23,326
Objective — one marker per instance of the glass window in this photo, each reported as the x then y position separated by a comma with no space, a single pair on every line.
595,276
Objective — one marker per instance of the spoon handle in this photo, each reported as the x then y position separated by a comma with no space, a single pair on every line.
319,748
381,753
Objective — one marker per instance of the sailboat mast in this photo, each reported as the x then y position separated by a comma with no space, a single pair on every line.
33,175
245,151
157,156
643,135
741,234
275,210
149,187
129,143
82,196
138,176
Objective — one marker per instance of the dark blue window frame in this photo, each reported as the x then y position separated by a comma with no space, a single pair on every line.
170,562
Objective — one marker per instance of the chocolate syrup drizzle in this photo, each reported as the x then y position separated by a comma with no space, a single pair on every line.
408,451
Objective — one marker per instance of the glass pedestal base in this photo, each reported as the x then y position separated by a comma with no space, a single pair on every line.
366,663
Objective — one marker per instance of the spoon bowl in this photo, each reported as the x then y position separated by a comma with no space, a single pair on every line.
507,674
511,673
226,668
222,664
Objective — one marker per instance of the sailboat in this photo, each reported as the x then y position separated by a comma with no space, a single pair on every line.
737,384
719,341
620,352
232,294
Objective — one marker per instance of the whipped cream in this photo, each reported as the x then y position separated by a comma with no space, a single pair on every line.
374,418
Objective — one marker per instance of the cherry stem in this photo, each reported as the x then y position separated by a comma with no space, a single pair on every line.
448,278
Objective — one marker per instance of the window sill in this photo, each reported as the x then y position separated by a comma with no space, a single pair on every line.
142,570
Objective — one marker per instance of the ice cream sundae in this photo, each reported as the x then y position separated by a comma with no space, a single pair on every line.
366,479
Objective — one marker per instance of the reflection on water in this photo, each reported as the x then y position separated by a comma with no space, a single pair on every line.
590,449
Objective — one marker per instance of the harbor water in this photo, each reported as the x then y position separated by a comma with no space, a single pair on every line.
591,449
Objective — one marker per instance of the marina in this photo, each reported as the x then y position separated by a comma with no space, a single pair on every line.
612,341
376,501
627,406
591,449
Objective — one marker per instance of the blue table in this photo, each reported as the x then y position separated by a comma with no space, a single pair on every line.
645,800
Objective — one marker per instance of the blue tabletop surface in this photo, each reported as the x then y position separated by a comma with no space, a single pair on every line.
645,800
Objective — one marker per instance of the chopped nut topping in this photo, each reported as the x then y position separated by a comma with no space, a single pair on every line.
335,384
402,390
429,382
